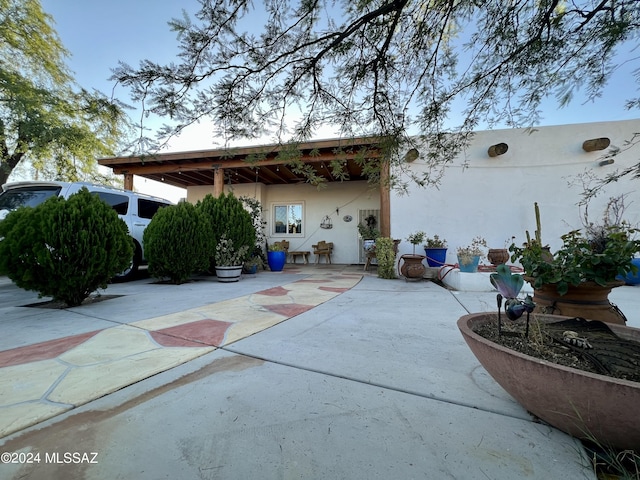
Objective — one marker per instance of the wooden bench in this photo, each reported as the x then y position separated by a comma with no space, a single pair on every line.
300,253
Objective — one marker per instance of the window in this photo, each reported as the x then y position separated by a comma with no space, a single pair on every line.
287,219
148,208
14,198
120,203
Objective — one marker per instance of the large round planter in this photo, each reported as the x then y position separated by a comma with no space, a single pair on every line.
436,257
469,267
228,274
588,300
276,260
412,267
579,403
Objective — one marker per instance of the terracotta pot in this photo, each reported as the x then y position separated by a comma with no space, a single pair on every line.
579,403
588,300
498,256
412,268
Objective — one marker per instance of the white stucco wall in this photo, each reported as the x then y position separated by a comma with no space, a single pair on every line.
494,196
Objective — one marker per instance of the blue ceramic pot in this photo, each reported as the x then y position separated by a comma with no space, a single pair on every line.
469,267
276,260
436,257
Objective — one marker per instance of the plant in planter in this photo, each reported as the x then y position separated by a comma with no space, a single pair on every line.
369,232
435,249
469,256
276,257
412,267
229,259
577,278
498,256
578,375
253,264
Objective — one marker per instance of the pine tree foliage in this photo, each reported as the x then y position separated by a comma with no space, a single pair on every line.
227,215
177,243
45,117
65,249
383,67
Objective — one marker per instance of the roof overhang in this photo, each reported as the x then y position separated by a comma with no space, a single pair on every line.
268,164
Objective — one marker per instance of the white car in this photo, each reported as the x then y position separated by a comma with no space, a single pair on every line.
134,208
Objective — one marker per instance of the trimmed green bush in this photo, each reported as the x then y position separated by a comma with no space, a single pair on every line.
177,242
226,215
65,249
386,256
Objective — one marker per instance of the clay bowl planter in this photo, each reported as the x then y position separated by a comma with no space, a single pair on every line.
582,404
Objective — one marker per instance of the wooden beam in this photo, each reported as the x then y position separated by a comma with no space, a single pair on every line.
208,164
225,153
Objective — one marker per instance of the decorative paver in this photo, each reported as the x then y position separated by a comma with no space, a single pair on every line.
43,380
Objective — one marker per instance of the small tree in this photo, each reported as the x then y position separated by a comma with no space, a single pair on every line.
65,249
177,243
226,215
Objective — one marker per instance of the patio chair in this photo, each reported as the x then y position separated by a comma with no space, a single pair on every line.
323,248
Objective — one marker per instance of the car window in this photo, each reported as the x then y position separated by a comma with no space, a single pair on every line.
120,203
148,208
27,196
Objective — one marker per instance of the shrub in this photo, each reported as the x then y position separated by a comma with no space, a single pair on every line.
65,249
176,242
386,256
226,215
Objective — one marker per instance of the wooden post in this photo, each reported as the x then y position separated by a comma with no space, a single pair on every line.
128,181
385,199
218,181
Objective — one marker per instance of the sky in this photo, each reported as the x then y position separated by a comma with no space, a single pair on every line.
99,34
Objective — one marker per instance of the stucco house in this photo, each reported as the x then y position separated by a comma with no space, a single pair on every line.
488,190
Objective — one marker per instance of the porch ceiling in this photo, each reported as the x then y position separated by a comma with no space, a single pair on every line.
267,164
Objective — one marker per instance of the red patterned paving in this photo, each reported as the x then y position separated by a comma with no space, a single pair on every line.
274,292
42,350
334,289
193,334
288,309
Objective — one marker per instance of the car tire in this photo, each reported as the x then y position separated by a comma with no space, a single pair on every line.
130,272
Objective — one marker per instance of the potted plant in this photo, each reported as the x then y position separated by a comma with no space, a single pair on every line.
229,259
570,372
276,257
498,256
577,279
469,256
253,264
369,232
412,267
435,249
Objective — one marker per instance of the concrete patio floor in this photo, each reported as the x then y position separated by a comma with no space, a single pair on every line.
313,372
